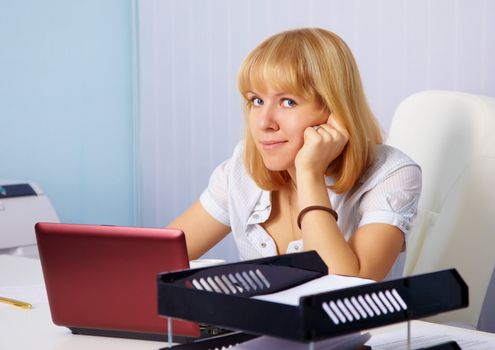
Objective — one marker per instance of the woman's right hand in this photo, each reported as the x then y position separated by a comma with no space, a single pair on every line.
322,145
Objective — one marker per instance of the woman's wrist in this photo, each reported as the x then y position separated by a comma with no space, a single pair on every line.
309,177
312,190
315,207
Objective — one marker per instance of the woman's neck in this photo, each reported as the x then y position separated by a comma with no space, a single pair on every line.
292,174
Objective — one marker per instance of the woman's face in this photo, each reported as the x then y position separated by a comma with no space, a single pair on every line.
277,121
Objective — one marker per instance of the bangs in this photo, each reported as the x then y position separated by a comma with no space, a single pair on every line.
280,65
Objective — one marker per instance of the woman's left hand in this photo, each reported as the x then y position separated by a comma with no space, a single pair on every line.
322,144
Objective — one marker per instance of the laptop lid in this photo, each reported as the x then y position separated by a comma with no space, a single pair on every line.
102,280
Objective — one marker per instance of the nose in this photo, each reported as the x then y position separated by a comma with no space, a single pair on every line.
266,118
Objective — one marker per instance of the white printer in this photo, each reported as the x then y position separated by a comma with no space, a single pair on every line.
22,205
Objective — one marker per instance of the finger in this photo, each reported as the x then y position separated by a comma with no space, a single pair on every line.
315,133
324,129
328,133
309,131
334,123
316,129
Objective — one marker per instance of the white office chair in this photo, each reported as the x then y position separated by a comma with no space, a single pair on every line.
451,135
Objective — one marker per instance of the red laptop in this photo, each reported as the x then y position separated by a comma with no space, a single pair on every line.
102,280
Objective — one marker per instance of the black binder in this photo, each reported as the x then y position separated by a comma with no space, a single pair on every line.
220,296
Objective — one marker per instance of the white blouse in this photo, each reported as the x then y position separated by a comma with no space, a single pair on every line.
388,192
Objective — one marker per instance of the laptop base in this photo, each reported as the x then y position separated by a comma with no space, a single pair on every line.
131,335
206,332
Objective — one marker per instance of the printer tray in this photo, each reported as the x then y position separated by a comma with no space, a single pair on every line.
220,296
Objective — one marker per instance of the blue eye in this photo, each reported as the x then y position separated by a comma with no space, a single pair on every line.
256,101
287,102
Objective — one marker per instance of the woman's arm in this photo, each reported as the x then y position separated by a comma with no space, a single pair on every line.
372,249
202,231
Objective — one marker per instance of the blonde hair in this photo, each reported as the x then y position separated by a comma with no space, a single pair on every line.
317,65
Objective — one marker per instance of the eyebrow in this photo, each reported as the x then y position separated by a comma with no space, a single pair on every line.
276,95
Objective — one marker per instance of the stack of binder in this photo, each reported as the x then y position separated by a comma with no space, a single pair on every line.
231,296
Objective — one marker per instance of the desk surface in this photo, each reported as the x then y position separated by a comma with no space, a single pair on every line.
33,328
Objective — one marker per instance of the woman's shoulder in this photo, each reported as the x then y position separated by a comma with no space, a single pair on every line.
391,157
388,160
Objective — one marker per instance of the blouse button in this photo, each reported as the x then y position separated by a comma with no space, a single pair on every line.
296,247
256,216
263,245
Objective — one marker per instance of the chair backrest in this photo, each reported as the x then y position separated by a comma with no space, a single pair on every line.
451,135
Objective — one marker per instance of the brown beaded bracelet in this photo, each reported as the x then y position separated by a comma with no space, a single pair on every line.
315,207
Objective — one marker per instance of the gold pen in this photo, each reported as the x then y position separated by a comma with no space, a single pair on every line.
17,303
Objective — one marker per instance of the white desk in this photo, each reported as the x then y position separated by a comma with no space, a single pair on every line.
33,328
426,334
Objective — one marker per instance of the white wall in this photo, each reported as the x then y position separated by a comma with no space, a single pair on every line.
189,51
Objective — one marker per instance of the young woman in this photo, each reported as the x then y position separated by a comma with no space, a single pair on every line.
312,172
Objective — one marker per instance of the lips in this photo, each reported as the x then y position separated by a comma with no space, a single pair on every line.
271,144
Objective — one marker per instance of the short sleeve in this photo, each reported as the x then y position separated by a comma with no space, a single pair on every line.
394,200
215,197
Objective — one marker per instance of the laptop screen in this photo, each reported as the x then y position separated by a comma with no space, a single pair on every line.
102,280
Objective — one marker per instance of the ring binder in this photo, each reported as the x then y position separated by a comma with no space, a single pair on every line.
317,316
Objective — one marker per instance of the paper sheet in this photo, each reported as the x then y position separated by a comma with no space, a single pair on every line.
427,334
320,285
